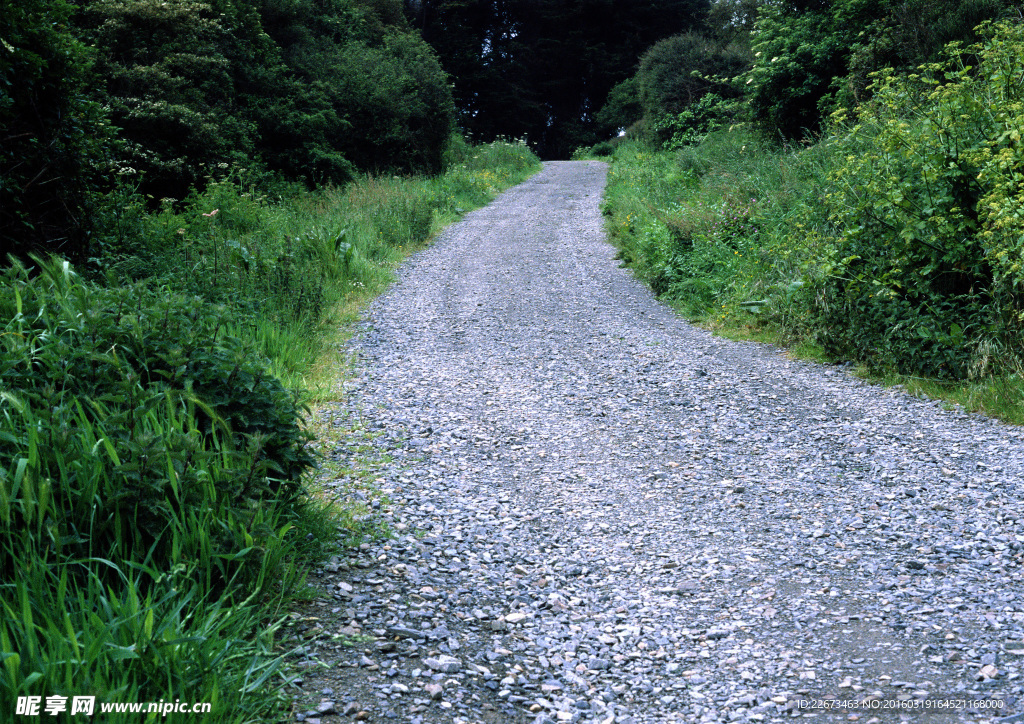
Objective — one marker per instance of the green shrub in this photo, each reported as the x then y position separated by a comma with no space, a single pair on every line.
695,122
397,98
925,276
811,57
167,72
621,109
678,71
310,91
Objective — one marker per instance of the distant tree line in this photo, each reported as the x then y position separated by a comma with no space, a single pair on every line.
568,74
542,69
786,64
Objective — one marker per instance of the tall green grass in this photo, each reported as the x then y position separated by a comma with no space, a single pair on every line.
709,226
156,516
145,520
284,264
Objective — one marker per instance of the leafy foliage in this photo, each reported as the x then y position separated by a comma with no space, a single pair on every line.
913,32
683,89
51,139
542,70
801,51
169,73
812,56
695,122
203,90
927,273
396,99
679,71
622,108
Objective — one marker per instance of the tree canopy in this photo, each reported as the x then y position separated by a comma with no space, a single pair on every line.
544,68
813,55
50,136
166,95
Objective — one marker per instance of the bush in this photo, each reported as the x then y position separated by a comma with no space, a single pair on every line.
169,74
801,52
677,72
396,97
621,109
926,273
202,91
692,125
148,486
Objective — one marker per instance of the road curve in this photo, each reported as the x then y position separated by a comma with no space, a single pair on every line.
605,514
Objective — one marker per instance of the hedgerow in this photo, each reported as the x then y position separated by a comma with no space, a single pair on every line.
925,274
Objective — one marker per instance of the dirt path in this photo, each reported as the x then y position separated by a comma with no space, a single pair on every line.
604,514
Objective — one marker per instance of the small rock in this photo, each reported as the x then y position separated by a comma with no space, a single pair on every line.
444,664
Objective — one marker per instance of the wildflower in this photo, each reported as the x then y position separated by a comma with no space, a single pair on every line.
211,214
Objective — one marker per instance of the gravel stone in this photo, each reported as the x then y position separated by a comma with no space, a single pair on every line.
604,514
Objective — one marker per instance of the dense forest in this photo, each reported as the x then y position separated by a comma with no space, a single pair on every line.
194,193
162,97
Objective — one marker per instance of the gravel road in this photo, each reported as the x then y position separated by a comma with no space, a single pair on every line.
604,514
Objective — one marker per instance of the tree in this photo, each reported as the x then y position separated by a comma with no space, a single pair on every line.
167,71
312,91
811,55
543,68
622,108
678,71
386,99
51,138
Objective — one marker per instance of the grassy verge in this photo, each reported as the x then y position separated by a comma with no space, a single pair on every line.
730,232
292,266
160,497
